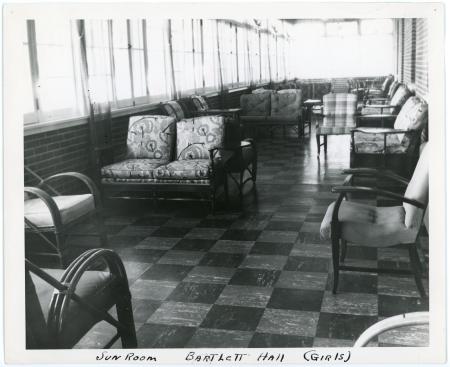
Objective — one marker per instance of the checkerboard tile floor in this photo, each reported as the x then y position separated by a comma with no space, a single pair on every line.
258,277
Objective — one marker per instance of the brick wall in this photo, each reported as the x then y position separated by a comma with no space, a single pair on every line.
412,53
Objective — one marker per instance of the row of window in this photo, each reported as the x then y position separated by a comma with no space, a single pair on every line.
132,62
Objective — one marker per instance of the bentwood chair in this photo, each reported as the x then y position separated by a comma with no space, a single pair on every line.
371,226
53,216
392,323
63,305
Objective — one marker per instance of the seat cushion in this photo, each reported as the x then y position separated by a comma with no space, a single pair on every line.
335,125
369,225
197,135
132,168
151,137
374,143
186,169
95,287
367,110
71,207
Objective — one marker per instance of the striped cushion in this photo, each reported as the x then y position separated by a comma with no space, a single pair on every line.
199,103
174,109
339,104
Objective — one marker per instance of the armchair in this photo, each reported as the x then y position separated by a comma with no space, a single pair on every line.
388,106
396,148
50,214
203,109
63,305
392,323
365,225
382,90
339,117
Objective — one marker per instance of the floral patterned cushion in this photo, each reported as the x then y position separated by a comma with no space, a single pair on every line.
132,168
367,110
199,103
287,102
400,96
185,169
150,137
174,109
374,143
412,116
255,104
197,135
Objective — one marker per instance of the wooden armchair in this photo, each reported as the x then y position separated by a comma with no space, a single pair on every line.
63,305
52,216
365,225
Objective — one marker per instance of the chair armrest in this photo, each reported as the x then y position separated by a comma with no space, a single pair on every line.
372,190
377,173
393,322
380,130
49,202
381,106
79,176
67,285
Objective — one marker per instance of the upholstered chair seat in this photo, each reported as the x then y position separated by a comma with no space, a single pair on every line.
71,208
186,169
132,168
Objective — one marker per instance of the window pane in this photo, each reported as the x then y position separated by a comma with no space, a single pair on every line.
137,56
121,62
56,73
376,26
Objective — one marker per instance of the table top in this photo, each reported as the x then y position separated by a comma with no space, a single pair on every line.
312,101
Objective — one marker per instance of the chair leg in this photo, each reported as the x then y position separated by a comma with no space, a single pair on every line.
325,141
318,143
416,269
343,250
125,317
102,230
335,255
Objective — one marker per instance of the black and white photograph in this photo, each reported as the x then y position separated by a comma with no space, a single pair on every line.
255,185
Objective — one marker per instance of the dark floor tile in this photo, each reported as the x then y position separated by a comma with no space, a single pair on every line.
255,277
196,292
339,326
164,336
241,235
118,241
215,223
389,265
143,309
222,259
296,299
191,244
140,255
355,282
360,252
170,272
171,232
151,221
271,248
264,340
395,305
283,226
307,264
233,318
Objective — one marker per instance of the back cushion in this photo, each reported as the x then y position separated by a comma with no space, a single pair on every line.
393,88
197,135
200,103
151,137
386,84
417,190
174,109
339,104
286,102
255,104
412,116
400,96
